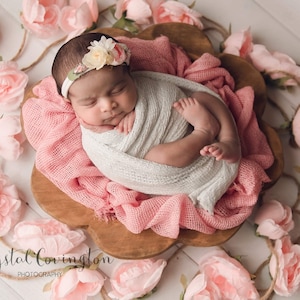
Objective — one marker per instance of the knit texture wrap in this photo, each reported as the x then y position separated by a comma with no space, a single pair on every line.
120,157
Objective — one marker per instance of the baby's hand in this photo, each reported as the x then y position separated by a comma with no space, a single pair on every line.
126,124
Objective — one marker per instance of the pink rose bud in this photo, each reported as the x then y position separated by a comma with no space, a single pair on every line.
137,10
50,238
296,127
10,205
175,11
11,137
274,220
41,17
223,277
79,16
288,277
279,67
12,86
135,279
77,284
238,43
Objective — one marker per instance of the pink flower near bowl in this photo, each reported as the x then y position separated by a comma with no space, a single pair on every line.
12,86
201,287
136,279
296,127
238,43
175,11
77,284
279,67
288,278
274,220
10,205
50,238
79,16
40,17
138,11
11,137
223,277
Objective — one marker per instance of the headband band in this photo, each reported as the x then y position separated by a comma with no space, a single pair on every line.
101,53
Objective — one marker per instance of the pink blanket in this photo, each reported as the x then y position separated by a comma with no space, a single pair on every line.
53,130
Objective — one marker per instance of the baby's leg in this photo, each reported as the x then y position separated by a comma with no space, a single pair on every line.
206,125
183,152
199,117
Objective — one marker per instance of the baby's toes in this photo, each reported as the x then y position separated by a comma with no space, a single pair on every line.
178,106
205,151
216,152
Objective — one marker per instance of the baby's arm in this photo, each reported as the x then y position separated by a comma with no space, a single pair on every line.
184,151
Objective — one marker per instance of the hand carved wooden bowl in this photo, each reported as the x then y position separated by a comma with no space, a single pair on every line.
113,237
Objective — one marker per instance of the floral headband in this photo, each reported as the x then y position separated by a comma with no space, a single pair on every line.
101,53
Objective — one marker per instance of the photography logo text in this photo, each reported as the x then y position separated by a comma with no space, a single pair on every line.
29,264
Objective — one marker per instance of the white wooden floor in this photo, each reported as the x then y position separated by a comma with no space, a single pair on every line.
274,23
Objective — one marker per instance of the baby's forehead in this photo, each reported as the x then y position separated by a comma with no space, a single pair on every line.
105,78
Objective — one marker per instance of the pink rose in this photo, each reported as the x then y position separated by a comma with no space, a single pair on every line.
274,220
281,69
77,284
239,43
135,279
12,86
174,11
288,277
11,137
296,127
10,205
79,16
137,10
226,275
40,17
201,287
50,238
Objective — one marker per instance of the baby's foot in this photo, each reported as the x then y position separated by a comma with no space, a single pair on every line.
198,116
228,151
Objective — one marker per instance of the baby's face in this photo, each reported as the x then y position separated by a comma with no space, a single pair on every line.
103,97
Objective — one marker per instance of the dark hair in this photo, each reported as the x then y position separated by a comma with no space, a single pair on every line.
70,55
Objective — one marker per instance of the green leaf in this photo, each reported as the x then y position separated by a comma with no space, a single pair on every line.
183,281
279,83
192,5
285,125
47,286
181,295
94,266
93,26
126,24
33,254
72,76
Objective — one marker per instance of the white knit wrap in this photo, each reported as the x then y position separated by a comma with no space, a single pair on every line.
120,157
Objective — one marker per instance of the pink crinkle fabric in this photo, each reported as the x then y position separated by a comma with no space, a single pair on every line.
53,130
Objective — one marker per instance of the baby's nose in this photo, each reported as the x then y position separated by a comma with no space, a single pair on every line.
106,105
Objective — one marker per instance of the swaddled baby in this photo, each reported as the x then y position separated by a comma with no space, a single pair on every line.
151,132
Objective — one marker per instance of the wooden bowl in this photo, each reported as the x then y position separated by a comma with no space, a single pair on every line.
113,237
